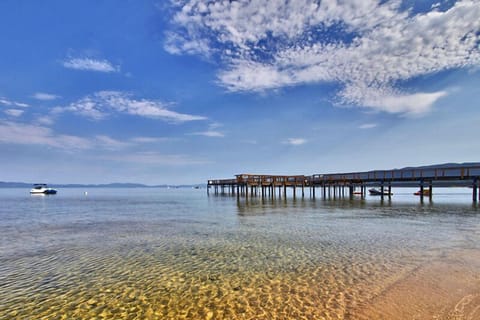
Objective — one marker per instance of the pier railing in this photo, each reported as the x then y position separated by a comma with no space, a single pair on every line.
400,175
269,180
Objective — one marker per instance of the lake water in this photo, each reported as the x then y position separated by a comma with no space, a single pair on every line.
180,254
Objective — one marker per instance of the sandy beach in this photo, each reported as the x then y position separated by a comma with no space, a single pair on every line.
447,289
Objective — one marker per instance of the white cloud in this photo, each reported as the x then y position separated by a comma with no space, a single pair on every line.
30,134
45,120
392,101
150,139
10,103
20,133
14,112
89,64
295,141
45,96
369,47
100,104
110,143
157,158
209,133
367,126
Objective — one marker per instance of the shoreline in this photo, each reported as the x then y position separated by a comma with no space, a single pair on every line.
445,288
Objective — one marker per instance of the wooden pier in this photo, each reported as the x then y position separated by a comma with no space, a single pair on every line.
352,183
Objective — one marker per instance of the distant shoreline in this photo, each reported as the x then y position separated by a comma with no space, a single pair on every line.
107,185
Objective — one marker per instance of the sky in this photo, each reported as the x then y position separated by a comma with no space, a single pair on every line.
182,91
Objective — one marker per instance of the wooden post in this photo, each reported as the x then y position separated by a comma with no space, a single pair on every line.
382,191
430,189
421,190
389,190
475,190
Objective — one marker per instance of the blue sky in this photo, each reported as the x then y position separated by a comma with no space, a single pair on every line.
172,92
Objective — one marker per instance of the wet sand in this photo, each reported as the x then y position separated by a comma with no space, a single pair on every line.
444,289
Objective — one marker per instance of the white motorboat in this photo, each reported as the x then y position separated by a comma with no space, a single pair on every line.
42,188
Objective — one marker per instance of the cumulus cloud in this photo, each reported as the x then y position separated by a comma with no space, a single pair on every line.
101,104
89,64
369,47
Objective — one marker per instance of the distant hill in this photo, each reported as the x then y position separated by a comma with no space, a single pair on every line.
15,185
446,165
108,185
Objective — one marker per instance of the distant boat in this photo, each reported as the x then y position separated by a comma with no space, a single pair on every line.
42,188
426,192
376,192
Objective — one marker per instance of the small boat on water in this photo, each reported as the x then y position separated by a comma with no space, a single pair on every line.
426,192
376,192
42,188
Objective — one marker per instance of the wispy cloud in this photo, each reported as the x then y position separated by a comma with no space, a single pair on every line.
45,120
295,141
10,103
14,112
212,131
27,134
89,64
150,139
157,158
31,134
209,133
45,96
101,104
369,47
367,126
110,143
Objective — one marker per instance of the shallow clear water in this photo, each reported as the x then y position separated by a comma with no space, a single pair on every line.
178,253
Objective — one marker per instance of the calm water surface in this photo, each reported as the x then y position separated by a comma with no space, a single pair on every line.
178,253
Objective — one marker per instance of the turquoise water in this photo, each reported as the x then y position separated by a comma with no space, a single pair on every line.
178,253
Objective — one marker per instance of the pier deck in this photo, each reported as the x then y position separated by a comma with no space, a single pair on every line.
343,184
